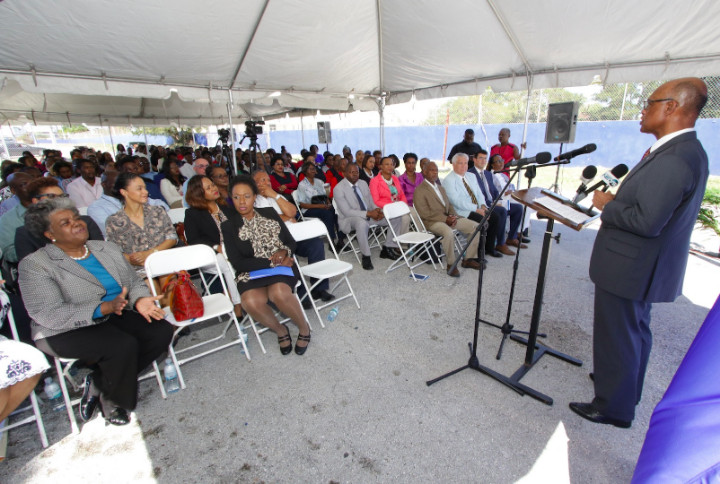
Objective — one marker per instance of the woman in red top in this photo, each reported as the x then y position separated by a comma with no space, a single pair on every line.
385,188
281,181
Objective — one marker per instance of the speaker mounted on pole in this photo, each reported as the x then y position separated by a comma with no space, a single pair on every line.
561,122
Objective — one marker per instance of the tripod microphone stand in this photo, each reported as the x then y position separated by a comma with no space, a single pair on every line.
473,362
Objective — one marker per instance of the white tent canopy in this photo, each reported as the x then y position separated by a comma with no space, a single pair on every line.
181,61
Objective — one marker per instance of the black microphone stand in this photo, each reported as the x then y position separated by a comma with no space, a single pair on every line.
473,362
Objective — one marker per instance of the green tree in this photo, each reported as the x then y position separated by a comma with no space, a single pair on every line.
179,136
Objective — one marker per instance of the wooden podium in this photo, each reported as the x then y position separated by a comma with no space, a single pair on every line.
550,206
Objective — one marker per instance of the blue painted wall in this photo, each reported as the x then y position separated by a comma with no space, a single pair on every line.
617,141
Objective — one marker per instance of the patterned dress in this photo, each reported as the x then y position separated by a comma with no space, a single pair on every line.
18,361
264,236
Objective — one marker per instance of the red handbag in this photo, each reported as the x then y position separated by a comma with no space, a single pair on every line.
185,301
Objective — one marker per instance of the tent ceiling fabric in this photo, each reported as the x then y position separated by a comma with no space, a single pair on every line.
176,60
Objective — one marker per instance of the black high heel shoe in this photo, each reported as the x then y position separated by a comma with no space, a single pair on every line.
116,416
285,350
300,350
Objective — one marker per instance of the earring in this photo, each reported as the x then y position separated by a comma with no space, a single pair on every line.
53,241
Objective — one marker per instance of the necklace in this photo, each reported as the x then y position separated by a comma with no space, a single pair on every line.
84,256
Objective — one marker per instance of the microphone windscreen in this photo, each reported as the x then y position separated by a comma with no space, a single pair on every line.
543,157
590,148
620,170
589,172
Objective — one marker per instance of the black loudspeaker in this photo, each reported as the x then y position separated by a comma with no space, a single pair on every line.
561,122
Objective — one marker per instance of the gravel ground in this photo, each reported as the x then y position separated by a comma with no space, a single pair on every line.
356,407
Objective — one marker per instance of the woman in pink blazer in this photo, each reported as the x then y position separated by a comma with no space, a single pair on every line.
385,187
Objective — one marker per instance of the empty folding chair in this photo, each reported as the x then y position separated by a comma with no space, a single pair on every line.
321,270
177,215
418,242
216,305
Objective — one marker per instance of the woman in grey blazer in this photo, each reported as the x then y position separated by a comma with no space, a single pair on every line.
86,302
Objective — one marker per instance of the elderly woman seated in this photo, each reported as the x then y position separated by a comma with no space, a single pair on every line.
314,202
259,247
86,302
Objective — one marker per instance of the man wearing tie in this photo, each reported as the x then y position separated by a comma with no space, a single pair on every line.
484,179
356,212
641,249
469,201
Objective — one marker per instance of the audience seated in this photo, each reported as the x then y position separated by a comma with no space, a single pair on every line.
219,176
258,239
385,188
199,168
15,217
172,183
368,170
311,248
86,189
497,166
469,201
202,226
439,217
410,180
314,202
139,228
282,182
101,318
487,186
63,173
109,204
41,189
356,209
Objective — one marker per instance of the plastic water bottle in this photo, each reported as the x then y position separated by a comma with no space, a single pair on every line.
171,378
54,394
332,315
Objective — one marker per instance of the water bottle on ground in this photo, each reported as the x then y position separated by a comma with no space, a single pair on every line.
332,315
171,378
54,394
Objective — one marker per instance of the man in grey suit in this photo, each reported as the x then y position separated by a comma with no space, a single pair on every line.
641,249
356,211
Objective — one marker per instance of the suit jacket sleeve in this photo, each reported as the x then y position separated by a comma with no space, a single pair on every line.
423,203
345,204
200,228
664,188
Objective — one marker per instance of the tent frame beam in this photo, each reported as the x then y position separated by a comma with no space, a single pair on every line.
247,47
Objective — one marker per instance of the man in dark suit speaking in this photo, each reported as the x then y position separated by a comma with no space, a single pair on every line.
641,249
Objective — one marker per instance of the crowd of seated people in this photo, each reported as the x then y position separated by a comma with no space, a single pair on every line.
47,245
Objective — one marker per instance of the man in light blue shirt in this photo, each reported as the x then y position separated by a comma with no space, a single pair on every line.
199,168
469,201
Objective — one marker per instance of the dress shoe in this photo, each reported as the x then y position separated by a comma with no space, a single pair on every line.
88,402
516,243
592,376
454,273
285,349
306,304
471,264
115,416
588,412
300,350
388,253
367,263
504,249
324,295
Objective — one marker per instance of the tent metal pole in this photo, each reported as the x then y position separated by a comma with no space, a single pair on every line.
527,111
381,110
302,128
249,44
232,130
112,143
510,34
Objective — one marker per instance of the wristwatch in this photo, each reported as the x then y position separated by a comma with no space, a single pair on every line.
278,196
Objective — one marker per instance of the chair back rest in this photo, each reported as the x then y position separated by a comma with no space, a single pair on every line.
299,210
177,215
180,259
395,209
308,229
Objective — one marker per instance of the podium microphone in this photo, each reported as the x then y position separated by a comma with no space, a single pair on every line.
580,151
587,175
610,178
540,158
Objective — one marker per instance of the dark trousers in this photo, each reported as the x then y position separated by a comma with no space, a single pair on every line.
328,217
516,211
314,250
621,348
118,350
492,230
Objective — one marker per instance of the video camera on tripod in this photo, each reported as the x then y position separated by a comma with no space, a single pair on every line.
224,135
253,128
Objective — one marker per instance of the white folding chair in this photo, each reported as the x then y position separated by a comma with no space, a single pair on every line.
216,305
375,232
321,270
177,215
37,416
418,242
63,373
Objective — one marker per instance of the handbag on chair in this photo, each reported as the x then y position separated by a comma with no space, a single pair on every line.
184,300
